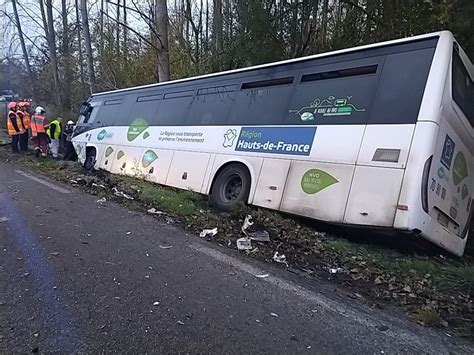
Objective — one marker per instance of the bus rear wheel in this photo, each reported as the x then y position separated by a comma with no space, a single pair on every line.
231,186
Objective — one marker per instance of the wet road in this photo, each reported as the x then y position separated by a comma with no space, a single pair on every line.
78,276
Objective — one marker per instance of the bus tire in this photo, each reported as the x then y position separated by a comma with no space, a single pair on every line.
89,163
230,187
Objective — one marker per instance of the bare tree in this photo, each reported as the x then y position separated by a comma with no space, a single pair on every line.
79,45
51,40
161,18
87,43
23,49
66,57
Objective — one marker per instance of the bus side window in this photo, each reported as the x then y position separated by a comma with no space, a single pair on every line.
401,87
463,88
262,101
174,108
340,93
212,105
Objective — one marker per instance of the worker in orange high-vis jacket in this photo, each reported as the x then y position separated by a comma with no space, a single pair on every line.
39,126
24,115
14,126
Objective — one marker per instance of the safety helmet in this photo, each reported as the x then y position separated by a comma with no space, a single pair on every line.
70,122
39,110
11,105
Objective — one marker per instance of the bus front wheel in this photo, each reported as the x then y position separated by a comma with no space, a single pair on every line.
231,186
90,159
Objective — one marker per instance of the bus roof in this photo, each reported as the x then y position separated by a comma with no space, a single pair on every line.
315,56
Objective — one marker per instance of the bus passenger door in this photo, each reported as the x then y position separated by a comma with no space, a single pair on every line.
271,183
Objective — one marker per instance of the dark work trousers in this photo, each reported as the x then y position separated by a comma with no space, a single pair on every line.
24,141
15,141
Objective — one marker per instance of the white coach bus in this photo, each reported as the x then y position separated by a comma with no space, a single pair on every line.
379,135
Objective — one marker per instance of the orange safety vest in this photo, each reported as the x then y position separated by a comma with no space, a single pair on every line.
26,119
10,127
21,116
37,124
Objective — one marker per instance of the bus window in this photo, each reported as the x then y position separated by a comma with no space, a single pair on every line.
341,94
212,105
401,88
146,107
174,108
463,88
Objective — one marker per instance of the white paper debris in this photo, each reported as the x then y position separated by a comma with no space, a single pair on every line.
206,232
3,219
244,244
262,276
165,246
247,223
102,200
280,258
154,211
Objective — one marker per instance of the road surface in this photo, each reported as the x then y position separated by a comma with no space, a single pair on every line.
78,276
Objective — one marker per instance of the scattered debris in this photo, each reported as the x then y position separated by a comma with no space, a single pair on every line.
36,335
280,258
165,246
3,219
180,322
247,223
274,315
334,270
156,303
54,253
262,236
257,320
262,276
26,274
121,194
155,211
382,328
244,244
99,185
101,201
206,232
128,233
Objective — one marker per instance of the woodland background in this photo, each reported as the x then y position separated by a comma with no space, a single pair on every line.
60,51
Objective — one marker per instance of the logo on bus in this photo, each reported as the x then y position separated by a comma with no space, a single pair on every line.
275,140
330,106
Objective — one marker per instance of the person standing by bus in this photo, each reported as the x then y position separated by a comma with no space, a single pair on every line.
25,117
14,126
69,151
39,125
54,133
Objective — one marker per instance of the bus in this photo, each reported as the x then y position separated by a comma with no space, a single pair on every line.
378,136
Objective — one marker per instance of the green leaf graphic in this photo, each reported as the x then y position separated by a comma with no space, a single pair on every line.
148,158
315,180
108,151
146,135
137,127
120,154
459,168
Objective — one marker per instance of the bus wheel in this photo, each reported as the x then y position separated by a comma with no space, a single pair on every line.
231,186
90,159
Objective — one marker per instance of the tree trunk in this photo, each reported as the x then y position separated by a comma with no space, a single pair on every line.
118,28
125,30
217,25
101,28
161,16
324,23
79,45
87,43
23,49
67,58
51,39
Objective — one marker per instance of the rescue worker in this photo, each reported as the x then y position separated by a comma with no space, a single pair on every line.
39,125
69,152
54,133
14,126
25,121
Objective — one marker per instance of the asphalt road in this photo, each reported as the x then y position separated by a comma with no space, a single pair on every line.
78,276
